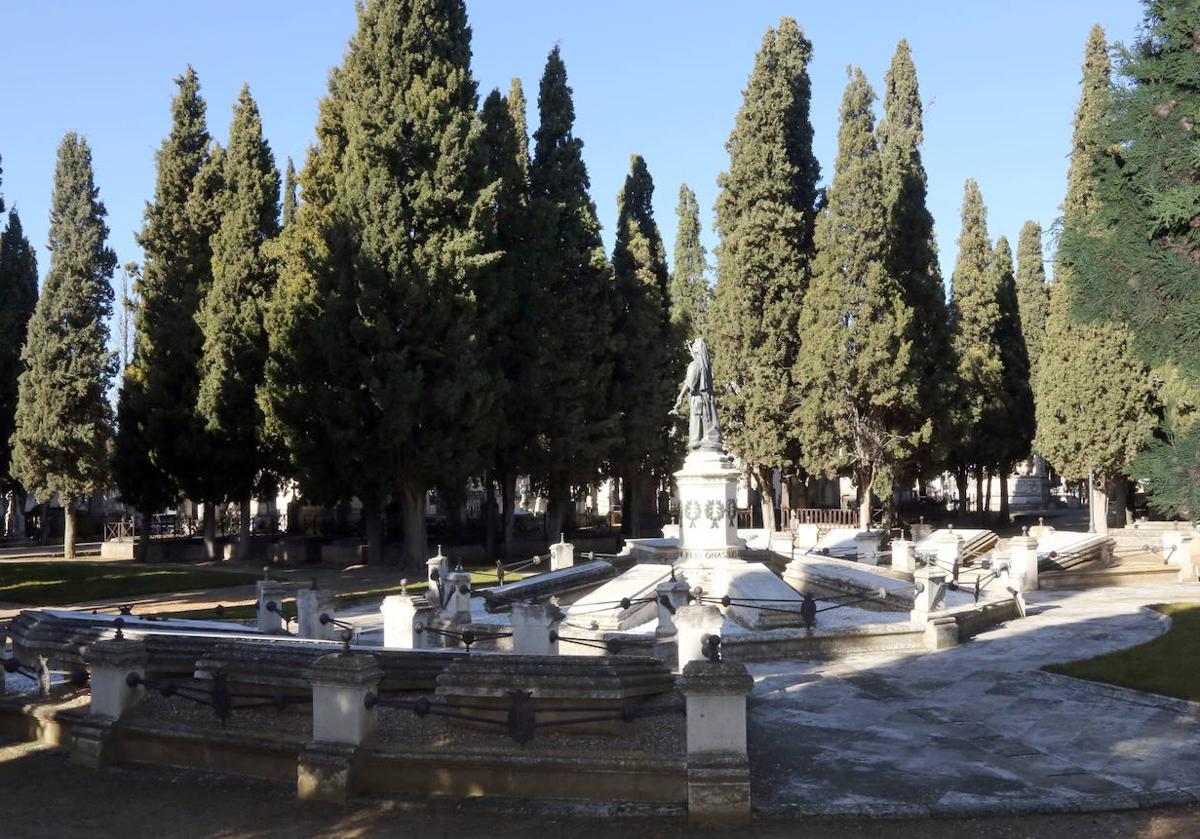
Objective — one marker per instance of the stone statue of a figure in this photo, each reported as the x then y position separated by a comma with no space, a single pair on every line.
704,430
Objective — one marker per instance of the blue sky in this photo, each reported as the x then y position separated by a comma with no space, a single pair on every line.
657,77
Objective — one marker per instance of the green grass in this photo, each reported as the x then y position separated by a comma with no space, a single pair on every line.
60,583
1166,665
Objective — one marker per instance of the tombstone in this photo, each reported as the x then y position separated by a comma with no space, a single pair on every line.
271,620
1023,563
903,558
866,546
692,623
311,603
534,628
562,555
929,584
717,760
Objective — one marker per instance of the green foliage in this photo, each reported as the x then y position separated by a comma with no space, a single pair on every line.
690,291
18,296
289,193
159,448
1010,427
912,259
765,216
1033,295
574,293
231,315
857,385
63,418
516,109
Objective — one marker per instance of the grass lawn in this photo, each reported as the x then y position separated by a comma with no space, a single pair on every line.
1166,665
62,583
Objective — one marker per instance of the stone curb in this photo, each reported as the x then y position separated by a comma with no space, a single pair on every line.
1123,694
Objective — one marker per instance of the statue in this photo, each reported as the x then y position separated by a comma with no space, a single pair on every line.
704,429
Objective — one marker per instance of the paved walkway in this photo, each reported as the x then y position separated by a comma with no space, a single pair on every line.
978,728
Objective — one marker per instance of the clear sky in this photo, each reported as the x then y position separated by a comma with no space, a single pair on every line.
661,78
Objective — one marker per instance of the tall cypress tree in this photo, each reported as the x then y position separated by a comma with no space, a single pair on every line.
974,319
765,215
159,449
1095,399
235,344
289,193
577,421
1010,426
63,418
912,259
18,296
516,109
690,291
392,238
856,384
649,362
1033,295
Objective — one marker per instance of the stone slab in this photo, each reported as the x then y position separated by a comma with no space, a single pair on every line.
601,610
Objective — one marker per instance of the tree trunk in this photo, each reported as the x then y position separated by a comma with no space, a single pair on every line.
508,492
987,493
979,493
556,501
210,531
68,529
629,510
960,479
412,510
766,489
243,546
372,522
1098,503
142,552
865,481
1118,490
489,518
1004,511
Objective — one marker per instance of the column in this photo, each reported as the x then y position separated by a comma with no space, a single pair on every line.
532,625
718,765
271,621
1023,563
328,767
311,603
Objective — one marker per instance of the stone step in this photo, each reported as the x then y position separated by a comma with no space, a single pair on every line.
1121,575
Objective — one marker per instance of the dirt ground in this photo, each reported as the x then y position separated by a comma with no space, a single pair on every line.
43,795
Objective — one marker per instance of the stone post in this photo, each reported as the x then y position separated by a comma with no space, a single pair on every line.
930,591
311,603
1173,545
458,597
562,555
948,548
111,662
866,546
718,766
1023,563
1186,559
807,535
692,623
271,591
342,723
401,613
921,530
441,564
903,558
665,646
532,624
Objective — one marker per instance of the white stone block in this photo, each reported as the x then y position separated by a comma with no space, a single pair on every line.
948,549
903,558
340,685
562,555
310,605
534,628
1023,563
716,707
929,584
440,564
674,592
399,622
866,546
807,535
110,662
457,608
271,620
1173,546
692,623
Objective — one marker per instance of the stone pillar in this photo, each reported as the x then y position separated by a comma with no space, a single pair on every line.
342,723
708,515
921,530
111,662
930,592
1173,545
1023,563
903,558
562,555
401,614
440,564
457,608
665,645
866,546
718,766
311,603
1186,559
532,624
807,535
271,591
692,623
948,548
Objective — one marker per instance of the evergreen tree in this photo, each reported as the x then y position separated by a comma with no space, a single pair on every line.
1095,399
159,449
516,109
856,383
1138,262
1010,426
1033,295
577,422
18,296
765,216
63,419
690,292
974,319
235,345
289,193
912,259
650,362
379,275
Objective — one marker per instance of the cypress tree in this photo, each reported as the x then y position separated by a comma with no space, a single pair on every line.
516,109
650,362
18,296
575,297
1011,425
1033,295
231,317
392,242
690,292
974,319
63,418
912,259
765,215
1095,399
856,384
159,446
289,193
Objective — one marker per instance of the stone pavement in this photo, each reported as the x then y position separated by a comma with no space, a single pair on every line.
978,728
